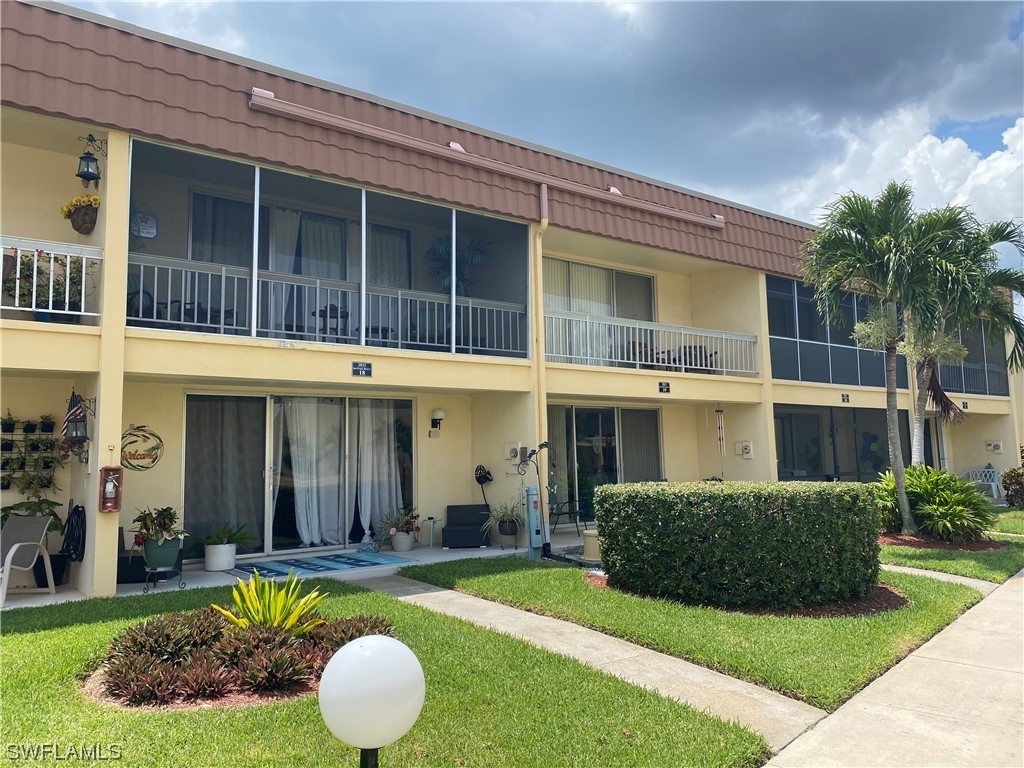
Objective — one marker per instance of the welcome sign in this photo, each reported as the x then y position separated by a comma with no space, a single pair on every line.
141,448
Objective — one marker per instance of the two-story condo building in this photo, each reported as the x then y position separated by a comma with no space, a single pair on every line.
302,306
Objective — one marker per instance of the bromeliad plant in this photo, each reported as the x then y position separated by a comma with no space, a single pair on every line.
265,603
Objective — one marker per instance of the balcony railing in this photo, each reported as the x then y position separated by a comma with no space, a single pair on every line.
598,340
58,279
170,293
975,379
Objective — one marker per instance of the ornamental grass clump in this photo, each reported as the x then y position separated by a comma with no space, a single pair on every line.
201,655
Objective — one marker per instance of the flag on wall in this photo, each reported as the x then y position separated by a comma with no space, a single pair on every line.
76,410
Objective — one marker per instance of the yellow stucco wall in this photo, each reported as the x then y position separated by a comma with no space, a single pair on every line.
679,440
35,183
966,443
728,299
29,398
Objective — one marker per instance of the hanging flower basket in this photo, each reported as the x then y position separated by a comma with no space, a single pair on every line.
84,219
81,212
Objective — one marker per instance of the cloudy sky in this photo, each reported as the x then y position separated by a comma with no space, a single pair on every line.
781,106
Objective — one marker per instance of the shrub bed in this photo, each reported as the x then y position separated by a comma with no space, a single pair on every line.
754,545
945,505
200,655
1013,486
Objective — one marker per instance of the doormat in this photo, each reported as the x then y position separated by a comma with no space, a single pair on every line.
316,564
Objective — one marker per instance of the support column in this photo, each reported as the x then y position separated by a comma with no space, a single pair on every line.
99,568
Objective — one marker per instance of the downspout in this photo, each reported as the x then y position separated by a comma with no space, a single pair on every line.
539,371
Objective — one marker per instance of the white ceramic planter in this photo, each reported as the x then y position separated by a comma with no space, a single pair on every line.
402,541
220,557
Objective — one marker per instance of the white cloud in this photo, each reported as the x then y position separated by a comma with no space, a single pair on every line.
205,22
901,147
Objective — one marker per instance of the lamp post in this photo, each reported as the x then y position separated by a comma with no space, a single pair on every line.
371,694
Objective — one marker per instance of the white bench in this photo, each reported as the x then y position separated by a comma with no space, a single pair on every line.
986,480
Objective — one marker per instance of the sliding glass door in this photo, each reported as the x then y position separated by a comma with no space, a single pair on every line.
592,446
336,467
225,439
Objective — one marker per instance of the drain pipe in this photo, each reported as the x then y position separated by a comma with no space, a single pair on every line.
540,384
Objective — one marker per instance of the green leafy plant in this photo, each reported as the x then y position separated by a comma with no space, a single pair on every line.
156,524
469,254
226,534
402,520
1013,486
7,422
509,512
739,544
946,506
265,603
951,521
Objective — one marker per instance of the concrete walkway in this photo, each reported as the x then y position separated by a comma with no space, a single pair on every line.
958,700
985,587
778,718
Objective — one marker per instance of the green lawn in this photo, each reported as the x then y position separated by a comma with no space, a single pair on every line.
995,565
1011,521
492,700
822,661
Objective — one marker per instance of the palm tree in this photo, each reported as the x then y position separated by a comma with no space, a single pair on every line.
980,293
884,250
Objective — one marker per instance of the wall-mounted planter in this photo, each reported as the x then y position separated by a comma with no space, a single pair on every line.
83,219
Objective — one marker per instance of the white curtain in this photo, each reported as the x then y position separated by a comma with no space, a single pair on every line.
301,419
377,487
221,230
323,247
284,224
388,265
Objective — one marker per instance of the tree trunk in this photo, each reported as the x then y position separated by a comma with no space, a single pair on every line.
924,375
895,447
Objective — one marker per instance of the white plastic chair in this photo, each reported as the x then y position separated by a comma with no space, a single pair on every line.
22,540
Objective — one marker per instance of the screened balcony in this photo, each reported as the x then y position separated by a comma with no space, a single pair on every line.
983,370
235,249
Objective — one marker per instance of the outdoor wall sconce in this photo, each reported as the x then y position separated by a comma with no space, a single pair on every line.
88,165
76,425
435,422
436,418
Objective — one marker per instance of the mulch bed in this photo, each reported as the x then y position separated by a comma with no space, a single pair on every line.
924,542
883,598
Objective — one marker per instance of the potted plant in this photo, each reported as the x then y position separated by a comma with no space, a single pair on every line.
47,423
469,254
506,518
158,536
5,482
221,546
81,212
400,528
7,423
29,427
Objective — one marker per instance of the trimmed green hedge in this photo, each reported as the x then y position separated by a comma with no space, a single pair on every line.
740,544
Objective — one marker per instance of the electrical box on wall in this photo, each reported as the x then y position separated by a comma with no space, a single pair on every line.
512,451
995,446
743,448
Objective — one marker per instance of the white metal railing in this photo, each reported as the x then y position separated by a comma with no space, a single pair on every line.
599,340
56,278
187,295
308,308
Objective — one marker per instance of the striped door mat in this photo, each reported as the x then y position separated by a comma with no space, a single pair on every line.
315,564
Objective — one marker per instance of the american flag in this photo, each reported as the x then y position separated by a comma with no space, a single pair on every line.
76,410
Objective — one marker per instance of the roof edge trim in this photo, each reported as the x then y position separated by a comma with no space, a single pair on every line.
264,101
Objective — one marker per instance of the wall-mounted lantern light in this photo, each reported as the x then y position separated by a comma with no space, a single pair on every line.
436,418
88,165
75,431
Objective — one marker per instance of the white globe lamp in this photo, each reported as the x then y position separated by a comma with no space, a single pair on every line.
371,694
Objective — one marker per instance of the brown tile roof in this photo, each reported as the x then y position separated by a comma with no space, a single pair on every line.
75,64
